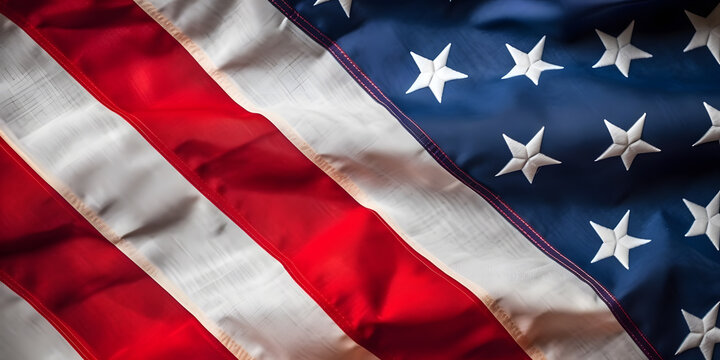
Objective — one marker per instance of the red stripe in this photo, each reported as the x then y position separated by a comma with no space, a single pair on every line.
377,289
96,297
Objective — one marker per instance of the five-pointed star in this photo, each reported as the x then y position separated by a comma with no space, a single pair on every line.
627,144
703,332
707,32
434,73
707,220
619,51
530,64
617,242
344,3
527,157
713,134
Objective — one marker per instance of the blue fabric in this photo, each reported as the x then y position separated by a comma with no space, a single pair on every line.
668,274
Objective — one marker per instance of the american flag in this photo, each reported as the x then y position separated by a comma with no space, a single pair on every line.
339,179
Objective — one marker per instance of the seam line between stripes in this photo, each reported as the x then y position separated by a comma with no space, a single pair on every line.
193,178
229,87
63,193
453,168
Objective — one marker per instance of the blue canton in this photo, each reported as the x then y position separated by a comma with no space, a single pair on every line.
596,121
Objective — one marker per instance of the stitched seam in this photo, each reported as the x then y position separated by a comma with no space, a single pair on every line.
465,291
435,149
571,266
199,56
180,164
75,206
587,279
191,176
75,340
57,55
200,184
217,347
67,332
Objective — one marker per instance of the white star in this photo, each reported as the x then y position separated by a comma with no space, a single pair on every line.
530,64
713,134
527,157
344,3
704,333
617,242
627,144
434,73
707,220
707,32
619,51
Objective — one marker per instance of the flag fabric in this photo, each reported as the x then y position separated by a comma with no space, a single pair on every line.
251,179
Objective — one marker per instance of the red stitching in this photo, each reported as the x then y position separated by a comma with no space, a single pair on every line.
182,167
591,281
224,206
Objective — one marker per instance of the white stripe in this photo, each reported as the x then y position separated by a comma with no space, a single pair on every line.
25,334
283,74
104,161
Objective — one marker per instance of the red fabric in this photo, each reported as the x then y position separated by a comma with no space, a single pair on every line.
96,297
376,288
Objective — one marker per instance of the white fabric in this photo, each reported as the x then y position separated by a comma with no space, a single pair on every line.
527,158
106,163
619,51
627,144
713,133
285,75
25,334
529,64
616,242
707,220
704,333
434,73
706,32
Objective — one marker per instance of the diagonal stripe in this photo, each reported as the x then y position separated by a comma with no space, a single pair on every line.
551,222
28,335
303,90
380,291
101,302
233,287
125,247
